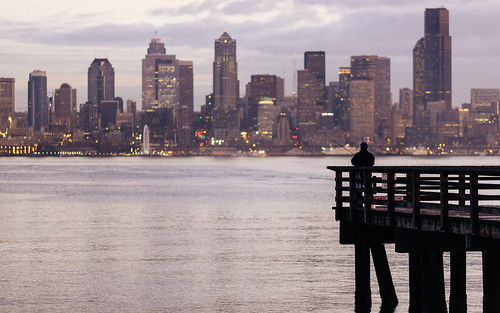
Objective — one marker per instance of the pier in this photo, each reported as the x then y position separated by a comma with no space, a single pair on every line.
424,211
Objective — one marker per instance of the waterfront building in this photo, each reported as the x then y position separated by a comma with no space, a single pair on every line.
101,82
225,115
38,102
7,103
267,115
484,96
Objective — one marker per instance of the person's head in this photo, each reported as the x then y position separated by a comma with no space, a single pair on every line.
363,145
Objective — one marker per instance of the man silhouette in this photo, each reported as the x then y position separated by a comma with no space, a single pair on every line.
363,157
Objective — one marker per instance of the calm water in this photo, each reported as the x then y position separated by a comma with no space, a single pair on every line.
184,235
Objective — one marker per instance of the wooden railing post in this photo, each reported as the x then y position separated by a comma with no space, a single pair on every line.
338,194
367,178
352,194
461,189
445,207
416,199
474,203
391,204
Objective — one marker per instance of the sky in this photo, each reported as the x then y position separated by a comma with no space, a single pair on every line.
63,37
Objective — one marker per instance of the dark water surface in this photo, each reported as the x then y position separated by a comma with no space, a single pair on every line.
184,235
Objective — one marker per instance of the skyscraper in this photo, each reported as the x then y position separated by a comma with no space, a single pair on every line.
362,110
307,111
38,102
185,111
101,82
261,86
160,77
225,117
7,102
378,69
314,61
437,56
65,105
418,82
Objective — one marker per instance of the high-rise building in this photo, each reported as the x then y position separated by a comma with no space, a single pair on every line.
378,69
484,96
314,61
38,102
225,116
343,107
167,83
65,105
160,77
307,111
7,102
419,82
406,102
362,110
261,86
437,56
185,111
101,82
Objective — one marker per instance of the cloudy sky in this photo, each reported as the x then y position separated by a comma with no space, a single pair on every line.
63,37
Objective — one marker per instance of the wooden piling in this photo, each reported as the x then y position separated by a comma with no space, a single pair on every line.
362,293
384,277
458,294
491,281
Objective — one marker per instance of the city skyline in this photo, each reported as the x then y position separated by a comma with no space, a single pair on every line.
64,44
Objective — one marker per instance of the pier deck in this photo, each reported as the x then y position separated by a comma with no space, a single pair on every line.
424,211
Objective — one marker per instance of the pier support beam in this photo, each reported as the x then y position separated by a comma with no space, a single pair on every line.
458,270
362,295
416,282
384,277
491,281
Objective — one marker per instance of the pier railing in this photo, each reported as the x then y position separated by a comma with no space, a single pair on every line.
461,200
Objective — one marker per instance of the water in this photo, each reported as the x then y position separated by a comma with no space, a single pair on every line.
184,235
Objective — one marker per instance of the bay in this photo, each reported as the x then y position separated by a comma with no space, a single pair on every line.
185,235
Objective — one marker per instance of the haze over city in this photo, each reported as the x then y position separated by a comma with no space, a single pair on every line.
63,38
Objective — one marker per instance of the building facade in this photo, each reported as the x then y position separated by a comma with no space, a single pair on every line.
65,106
101,82
225,115
361,110
314,61
7,103
38,102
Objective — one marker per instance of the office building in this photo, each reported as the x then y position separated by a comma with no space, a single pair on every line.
261,86
160,77
361,110
101,82
38,102
225,115
314,61
65,106
437,56
484,96
185,111
307,111
7,103
419,82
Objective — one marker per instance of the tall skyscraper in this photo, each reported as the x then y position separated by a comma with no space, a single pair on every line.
418,82
101,82
167,83
307,110
225,117
343,107
160,77
38,102
261,86
314,61
362,110
378,69
7,102
65,105
437,56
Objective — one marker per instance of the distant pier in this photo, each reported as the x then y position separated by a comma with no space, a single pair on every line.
424,211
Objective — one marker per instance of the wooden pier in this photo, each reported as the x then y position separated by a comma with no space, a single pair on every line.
424,211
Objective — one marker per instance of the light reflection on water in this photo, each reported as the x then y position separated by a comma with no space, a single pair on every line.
184,235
